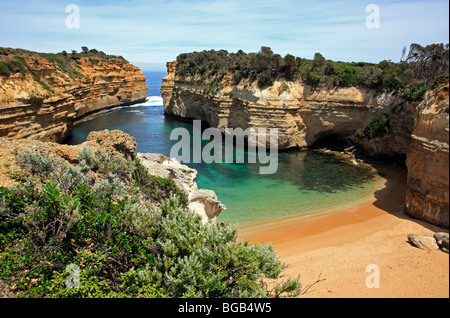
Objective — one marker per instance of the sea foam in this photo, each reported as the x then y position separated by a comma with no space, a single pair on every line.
152,101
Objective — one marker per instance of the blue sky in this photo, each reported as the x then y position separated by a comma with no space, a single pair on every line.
150,33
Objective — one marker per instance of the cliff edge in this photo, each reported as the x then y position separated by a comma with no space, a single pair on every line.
427,196
409,125
41,95
305,115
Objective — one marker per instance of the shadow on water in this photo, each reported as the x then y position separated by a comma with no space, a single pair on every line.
314,171
306,169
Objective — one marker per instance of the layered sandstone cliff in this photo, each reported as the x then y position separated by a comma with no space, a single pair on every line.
47,93
427,196
303,114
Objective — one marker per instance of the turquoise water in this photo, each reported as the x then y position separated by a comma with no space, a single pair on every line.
304,181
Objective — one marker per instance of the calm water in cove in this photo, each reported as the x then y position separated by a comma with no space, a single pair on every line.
305,180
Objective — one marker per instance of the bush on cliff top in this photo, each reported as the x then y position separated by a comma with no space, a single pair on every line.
63,235
63,62
11,67
422,64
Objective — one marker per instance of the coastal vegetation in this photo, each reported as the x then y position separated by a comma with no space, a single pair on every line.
104,227
419,70
376,128
13,61
411,76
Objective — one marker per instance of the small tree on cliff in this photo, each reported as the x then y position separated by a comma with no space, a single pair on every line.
318,62
312,77
428,62
290,66
266,50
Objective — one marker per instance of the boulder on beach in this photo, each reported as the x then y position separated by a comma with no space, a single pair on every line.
423,242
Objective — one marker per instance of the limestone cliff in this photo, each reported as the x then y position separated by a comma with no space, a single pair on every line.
41,95
202,201
427,196
303,114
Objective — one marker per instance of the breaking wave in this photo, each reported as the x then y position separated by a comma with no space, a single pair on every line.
152,101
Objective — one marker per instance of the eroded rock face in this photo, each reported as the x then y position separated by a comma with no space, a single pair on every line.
46,110
302,114
305,115
203,202
114,142
394,145
427,196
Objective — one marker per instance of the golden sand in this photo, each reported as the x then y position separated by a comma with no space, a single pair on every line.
338,246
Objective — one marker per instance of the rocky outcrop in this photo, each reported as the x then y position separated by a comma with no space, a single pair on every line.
303,114
46,94
203,202
442,239
427,196
439,241
116,143
424,242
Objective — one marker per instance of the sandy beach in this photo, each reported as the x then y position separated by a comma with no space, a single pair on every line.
338,246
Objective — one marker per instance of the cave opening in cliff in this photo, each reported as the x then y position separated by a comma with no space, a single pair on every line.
332,141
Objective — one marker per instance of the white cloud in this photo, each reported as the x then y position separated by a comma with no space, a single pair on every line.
151,33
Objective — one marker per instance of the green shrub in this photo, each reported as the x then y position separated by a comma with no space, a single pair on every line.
23,62
415,92
346,75
10,67
4,69
313,79
265,67
111,184
36,163
88,160
378,127
70,178
126,250
65,65
20,176
120,247
370,76
153,187
265,79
